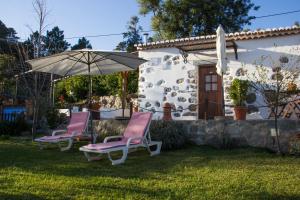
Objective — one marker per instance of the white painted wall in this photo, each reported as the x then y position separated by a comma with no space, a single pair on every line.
152,96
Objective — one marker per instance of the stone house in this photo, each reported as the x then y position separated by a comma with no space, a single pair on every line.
183,73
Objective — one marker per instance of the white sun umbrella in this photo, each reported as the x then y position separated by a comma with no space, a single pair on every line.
86,62
221,51
221,56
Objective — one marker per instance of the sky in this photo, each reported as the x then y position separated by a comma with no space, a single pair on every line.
100,17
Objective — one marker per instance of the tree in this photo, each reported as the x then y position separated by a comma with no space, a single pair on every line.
40,89
7,32
184,18
32,45
82,43
75,88
128,81
278,90
7,35
52,43
7,72
55,41
132,36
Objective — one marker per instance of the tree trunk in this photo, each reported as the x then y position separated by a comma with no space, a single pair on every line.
276,115
35,107
277,134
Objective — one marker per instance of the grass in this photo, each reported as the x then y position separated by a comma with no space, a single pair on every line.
192,173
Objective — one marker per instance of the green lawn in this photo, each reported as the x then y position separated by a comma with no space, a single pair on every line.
193,173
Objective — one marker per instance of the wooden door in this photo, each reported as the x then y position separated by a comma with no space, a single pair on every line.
210,93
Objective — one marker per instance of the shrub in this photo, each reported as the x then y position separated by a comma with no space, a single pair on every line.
238,91
170,133
105,128
54,118
14,128
4,137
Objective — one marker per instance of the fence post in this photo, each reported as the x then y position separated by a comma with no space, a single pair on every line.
167,108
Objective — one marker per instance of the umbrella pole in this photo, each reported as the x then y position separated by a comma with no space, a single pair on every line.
124,90
223,100
51,90
90,99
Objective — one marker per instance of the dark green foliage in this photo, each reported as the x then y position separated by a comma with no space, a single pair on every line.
55,41
82,43
31,42
7,32
7,72
4,137
54,118
238,91
106,85
132,36
184,18
133,82
170,133
75,88
14,128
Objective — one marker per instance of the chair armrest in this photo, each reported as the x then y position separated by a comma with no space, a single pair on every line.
58,131
111,137
74,133
133,138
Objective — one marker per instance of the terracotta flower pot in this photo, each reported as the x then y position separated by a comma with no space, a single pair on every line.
240,112
95,111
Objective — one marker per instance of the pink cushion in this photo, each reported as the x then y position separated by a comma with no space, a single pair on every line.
103,146
136,128
78,122
76,127
137,125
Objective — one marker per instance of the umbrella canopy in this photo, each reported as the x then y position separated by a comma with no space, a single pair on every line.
221,51
86,62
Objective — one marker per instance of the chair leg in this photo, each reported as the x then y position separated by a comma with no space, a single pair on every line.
91,158
121,160
41,145
95,136
156,151
68,147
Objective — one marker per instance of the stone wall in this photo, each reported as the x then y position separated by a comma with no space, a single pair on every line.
218,133
167,78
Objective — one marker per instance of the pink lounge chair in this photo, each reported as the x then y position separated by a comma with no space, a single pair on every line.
135,135
76,130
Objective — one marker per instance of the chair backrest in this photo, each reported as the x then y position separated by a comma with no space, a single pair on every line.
78,122
138,125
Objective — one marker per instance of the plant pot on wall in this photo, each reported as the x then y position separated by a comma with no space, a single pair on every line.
238,93
240,112
95,107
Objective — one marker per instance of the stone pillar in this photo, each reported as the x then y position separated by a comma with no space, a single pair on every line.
167,108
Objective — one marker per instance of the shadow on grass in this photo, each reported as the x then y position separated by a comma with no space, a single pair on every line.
267,195
24,196
27,156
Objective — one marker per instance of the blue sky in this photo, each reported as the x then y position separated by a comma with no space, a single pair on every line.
95,17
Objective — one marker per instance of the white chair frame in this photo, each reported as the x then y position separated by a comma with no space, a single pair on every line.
70,140
145,142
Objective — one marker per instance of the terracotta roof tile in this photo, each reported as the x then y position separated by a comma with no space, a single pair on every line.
244,35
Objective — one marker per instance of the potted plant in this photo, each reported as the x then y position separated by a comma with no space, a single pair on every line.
238,93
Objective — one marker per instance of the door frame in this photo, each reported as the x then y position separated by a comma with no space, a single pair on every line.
198,83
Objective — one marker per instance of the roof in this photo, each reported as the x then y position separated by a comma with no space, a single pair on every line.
209,39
